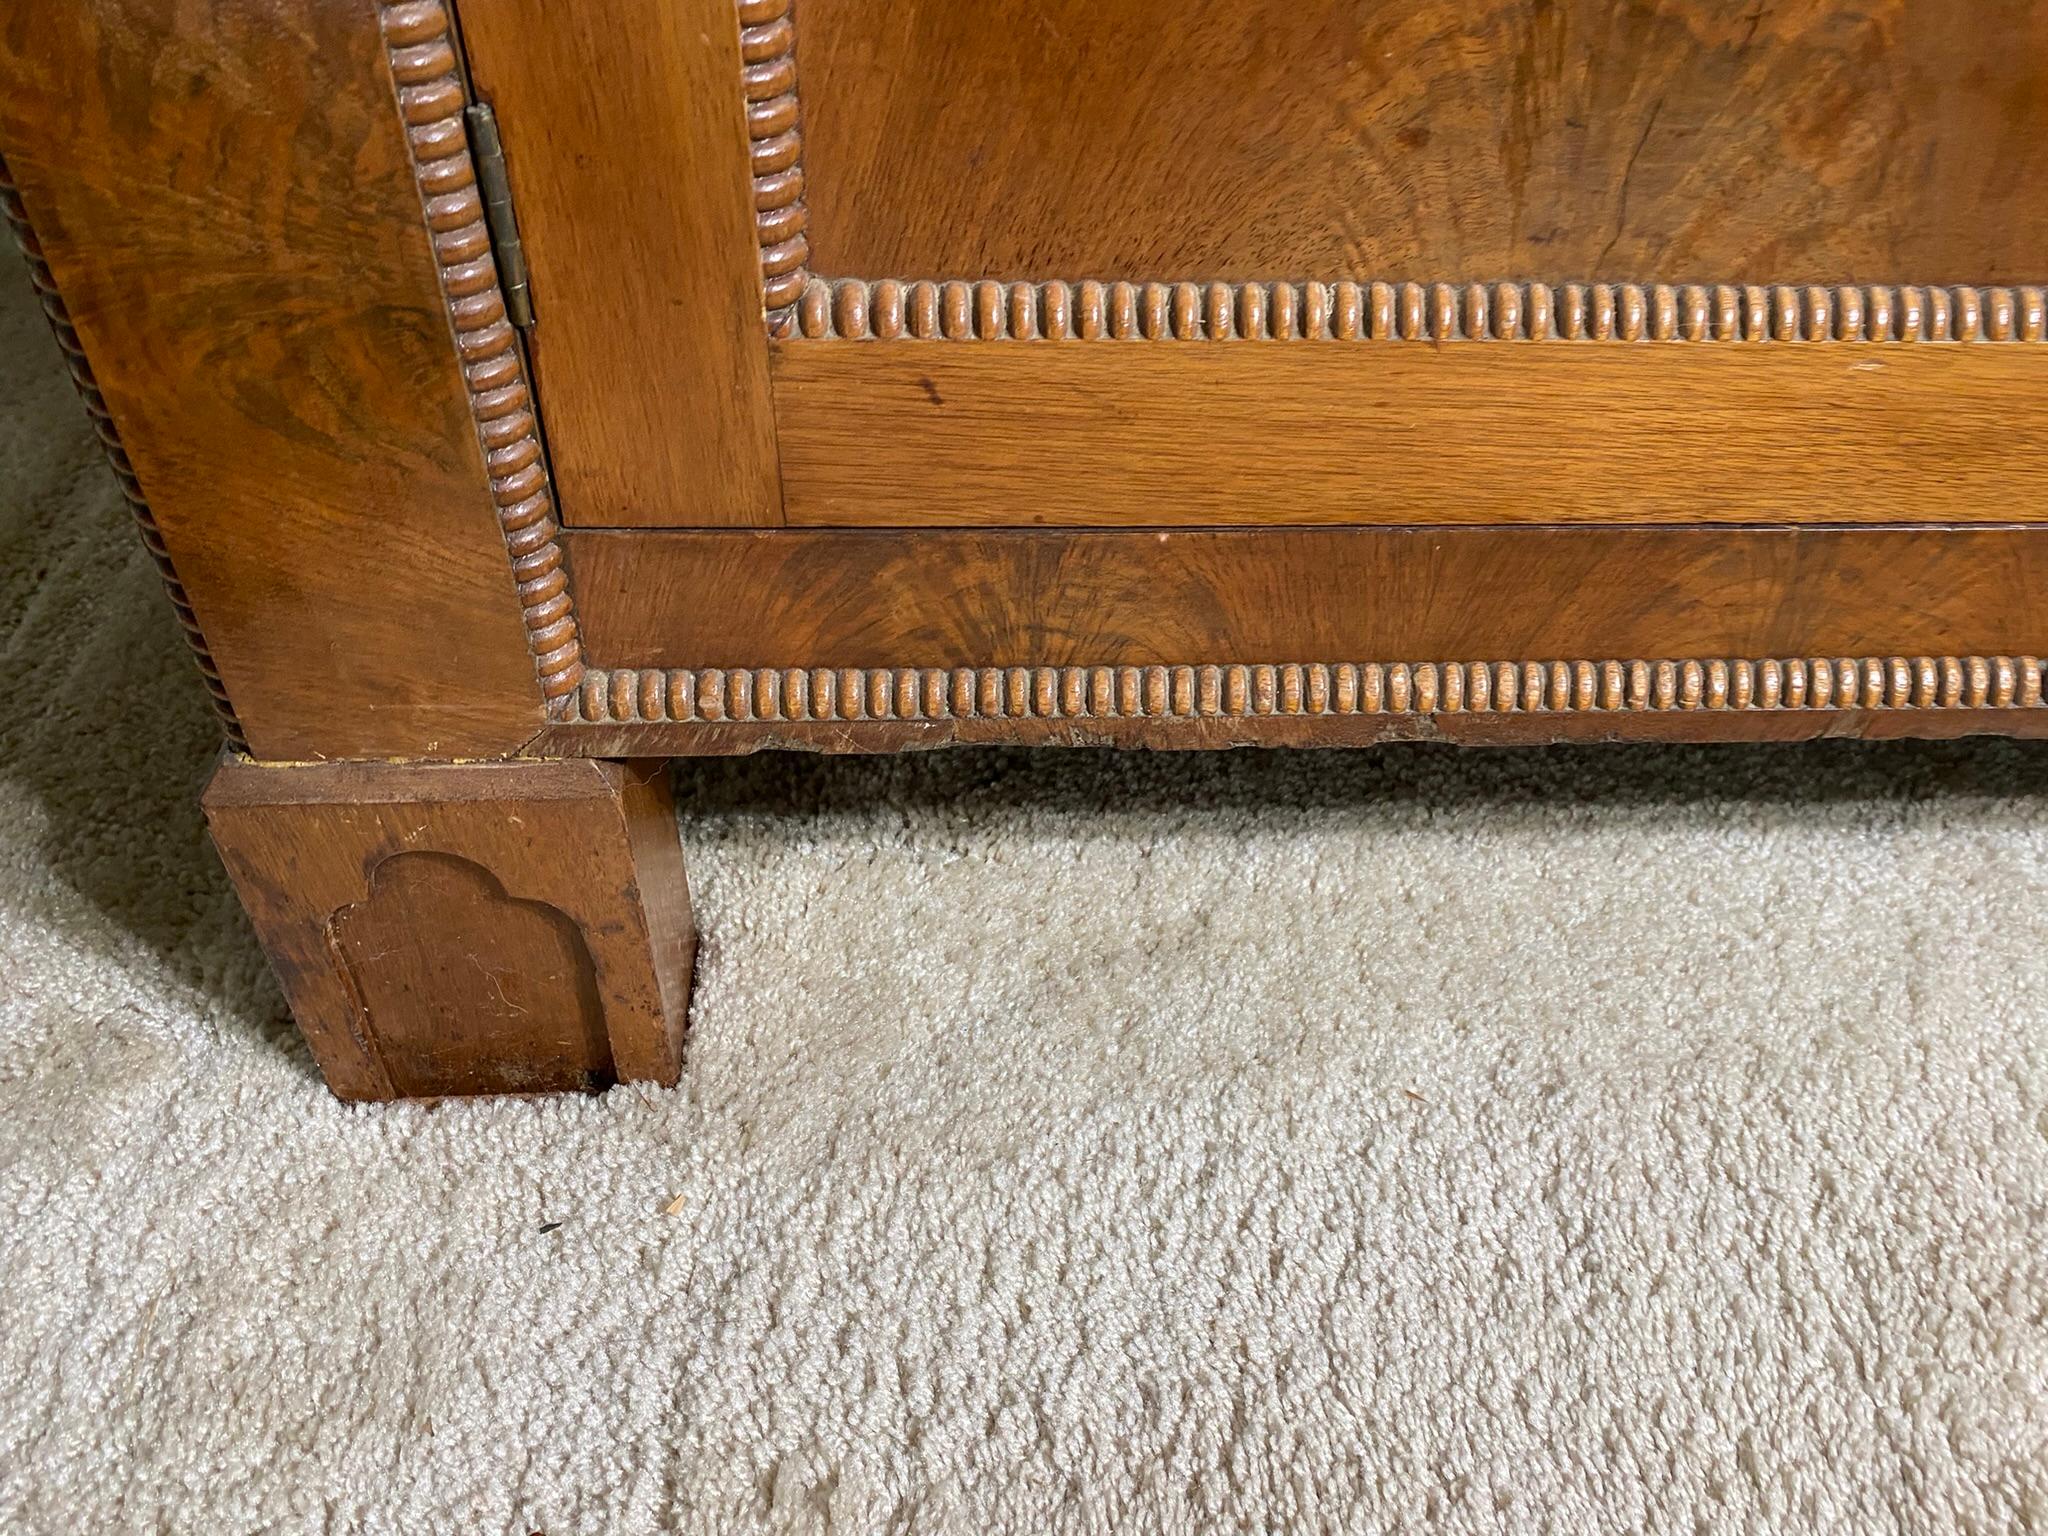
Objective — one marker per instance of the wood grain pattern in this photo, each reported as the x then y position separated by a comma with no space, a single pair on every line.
489,928
430,100
109,436
979,599
227,201
854,309
906,434
628,146
1811,141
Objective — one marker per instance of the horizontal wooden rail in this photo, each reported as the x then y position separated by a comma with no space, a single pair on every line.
910,433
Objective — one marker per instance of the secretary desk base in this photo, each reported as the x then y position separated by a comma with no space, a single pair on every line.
514,395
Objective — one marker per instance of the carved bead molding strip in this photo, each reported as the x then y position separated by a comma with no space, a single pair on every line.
853,309
117,456
430,101
768,70
764,694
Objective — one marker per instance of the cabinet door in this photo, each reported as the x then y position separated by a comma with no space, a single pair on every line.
1153,263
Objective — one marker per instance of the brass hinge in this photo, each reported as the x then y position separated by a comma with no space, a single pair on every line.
496,186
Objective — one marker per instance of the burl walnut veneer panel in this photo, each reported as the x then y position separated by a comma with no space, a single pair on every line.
953,598
227,198
1725,140
880,642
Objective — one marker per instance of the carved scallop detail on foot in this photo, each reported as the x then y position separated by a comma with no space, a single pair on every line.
504,927
464,988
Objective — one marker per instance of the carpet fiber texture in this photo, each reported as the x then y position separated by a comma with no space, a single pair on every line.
1589,1140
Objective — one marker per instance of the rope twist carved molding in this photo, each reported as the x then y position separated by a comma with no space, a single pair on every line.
763,694
768,75
117,456
430,102
855,309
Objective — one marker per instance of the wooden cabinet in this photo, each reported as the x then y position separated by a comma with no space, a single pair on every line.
1151,372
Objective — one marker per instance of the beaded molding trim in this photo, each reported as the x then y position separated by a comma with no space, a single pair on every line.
760,694
768,74
117,456
802,306
430,102
855,309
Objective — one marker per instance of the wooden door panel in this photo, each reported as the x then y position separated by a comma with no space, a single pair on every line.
1810,141
1646,180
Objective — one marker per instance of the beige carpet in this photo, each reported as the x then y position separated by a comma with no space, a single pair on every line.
1413,1141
